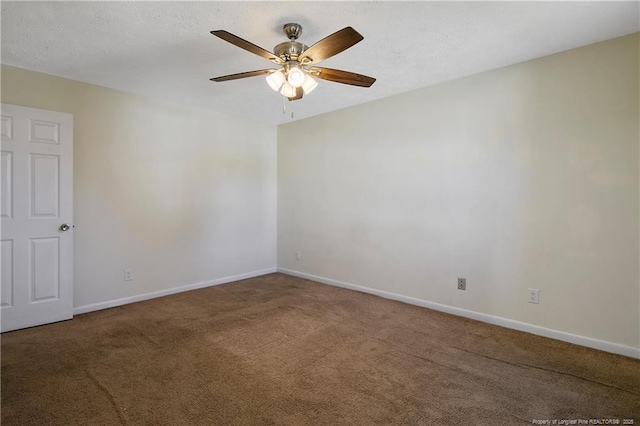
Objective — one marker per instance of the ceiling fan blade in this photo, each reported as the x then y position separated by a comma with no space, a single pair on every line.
248,46
241,75
331,45
344,77
299,93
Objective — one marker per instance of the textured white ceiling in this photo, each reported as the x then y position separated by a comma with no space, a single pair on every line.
164,49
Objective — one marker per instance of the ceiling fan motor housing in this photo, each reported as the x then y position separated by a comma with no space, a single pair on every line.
289,50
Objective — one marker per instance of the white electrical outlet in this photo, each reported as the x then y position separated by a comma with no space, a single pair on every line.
128,274
298,255
533,295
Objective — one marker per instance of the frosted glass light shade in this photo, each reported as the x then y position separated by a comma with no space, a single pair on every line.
309,84
288,90
276,80
295,76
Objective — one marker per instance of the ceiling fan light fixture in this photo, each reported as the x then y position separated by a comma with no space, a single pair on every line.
288,90
276,80
296,62
295,76
309,84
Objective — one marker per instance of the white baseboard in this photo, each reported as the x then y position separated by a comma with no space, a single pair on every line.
140,297
602,345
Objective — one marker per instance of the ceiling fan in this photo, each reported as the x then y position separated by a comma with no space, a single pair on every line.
294,77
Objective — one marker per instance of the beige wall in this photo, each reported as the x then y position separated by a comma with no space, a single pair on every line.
181,195
526,176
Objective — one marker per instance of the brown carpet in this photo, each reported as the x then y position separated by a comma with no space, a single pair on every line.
287,351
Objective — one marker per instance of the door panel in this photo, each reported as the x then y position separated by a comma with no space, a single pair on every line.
45,278
7,185
44,131
6,285
37,183
7,127
44,185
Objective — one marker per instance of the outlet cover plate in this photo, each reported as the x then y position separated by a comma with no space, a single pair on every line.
462,283
533,295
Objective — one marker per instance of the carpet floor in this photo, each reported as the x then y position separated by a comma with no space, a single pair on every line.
287,351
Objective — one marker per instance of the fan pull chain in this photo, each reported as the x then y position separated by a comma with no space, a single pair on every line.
284,107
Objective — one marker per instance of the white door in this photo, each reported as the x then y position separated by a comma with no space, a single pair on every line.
36,200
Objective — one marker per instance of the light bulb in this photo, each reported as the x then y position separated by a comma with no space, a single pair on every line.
295,76
288,90
309,84
276,80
